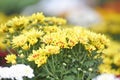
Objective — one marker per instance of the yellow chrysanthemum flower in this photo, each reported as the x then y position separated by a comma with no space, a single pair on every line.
48,39
33,57
25,47
36,54
18,22
38,57
41,60
90,47
50,29
38,17
32,40
11,58
19,41
52,49
55,21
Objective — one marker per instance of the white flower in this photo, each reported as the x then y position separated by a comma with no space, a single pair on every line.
22,71
5,72
106,77
17,71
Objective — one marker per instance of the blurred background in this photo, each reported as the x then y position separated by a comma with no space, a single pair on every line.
98,15
101,16
77,12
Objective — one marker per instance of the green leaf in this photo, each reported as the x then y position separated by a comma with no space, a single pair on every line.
89,63
92,75
74,70
69,77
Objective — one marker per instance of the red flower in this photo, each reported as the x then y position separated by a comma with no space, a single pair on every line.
118,76
2,57
3,53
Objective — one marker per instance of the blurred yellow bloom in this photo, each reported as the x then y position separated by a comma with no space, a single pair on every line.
111,57
3,28
116,60
11,30
5,18
107,61
55,21
109,25
104,68
2,40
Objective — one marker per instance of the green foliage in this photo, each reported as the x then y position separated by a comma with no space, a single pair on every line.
14,6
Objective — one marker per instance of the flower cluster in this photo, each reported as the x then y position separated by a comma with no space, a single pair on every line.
46,43
16,72
111,58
